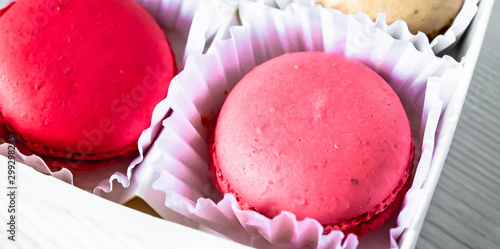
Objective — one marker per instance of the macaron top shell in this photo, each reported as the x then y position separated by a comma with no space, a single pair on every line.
81,76
428,16
314,134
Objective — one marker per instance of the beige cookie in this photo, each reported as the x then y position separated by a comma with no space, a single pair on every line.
429,16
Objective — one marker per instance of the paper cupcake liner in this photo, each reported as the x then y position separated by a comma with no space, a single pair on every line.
174,16
210,23
4,3
178,162
399,29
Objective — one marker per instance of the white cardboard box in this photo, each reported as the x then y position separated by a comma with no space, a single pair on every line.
50,213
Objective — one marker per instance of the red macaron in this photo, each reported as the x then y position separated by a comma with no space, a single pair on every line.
318,135
79,79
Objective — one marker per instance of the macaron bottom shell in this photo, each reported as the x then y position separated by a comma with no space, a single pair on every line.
359,225
71,161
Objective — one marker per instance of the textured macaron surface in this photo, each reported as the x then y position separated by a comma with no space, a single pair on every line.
428,16
314,134
81,76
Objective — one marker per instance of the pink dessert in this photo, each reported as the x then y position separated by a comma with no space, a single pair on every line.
318,135
79,79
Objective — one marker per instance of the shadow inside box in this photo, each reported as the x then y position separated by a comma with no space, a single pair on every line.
459,49
84,180
140,205
379,238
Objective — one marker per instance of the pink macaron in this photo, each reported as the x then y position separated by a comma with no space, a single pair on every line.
317,135
79,79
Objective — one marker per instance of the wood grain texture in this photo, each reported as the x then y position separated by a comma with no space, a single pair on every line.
465,210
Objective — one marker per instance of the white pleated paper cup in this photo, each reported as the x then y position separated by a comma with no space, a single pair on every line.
174,17
180,162
399,29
